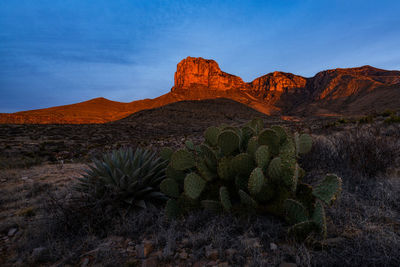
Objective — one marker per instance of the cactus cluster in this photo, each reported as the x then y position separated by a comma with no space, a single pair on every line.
248,168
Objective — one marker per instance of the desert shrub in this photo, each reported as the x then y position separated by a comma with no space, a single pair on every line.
387,113
249,168
393,119
125,176
356,154
20,162
366,119
343,120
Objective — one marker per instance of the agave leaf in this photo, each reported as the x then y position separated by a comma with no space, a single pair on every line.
141,204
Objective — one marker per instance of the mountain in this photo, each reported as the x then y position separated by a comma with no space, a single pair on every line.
351,91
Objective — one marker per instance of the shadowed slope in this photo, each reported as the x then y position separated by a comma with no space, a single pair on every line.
194,116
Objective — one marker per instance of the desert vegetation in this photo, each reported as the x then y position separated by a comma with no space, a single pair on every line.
48,218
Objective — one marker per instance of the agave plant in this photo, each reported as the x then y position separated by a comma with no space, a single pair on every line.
132,177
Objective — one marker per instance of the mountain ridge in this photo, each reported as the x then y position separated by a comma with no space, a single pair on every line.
339,91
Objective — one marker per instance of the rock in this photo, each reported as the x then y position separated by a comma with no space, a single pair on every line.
130,249
273,246
85,262
332,242
148,247
150,262
251,242
212,254
183,255
230,253
212,263
39,254
223,264
140,251
12,232
287,264
6,226
199,264
185,242
144,249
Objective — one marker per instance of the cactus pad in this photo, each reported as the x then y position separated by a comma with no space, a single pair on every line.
172,209
328,189
166,153
271,139
262,156
267,193
242,164
209,155
188,203
211,205
170,187
252,146
319,218
256,124
256,181
241,182
305,143
211,135
295,212
224,169
178,176
225,199
290,173
247,133
301,230
189,145
275,169
193,185
281,132
247,200
305,196
182,160
205,171
228,141
288,148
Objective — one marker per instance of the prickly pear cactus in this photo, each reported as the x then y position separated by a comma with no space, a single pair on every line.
249,168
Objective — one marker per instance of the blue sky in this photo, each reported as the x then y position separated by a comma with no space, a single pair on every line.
56,52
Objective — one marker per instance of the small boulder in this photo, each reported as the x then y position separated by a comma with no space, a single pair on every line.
287,264
12,232
212,254
273,246
150,262
39,254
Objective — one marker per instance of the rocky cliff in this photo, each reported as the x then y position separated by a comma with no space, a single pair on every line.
204,74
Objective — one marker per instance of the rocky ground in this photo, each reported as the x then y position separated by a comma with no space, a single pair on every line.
44,223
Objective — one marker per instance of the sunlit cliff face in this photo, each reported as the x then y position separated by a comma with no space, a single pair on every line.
192,72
